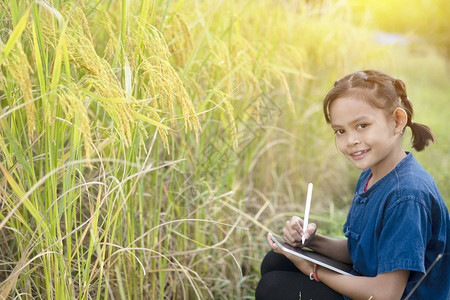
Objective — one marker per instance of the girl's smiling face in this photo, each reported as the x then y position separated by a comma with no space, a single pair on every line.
368,136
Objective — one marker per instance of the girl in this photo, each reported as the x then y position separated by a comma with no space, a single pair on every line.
398,223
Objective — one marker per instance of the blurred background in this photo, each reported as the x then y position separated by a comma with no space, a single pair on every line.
147,147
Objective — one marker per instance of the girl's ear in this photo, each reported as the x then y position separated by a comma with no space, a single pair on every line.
401,119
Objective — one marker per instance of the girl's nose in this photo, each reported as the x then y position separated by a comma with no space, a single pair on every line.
353,139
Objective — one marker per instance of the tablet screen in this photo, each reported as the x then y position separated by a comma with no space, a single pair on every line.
314,257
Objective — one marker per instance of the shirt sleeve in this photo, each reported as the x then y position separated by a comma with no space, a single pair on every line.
405,233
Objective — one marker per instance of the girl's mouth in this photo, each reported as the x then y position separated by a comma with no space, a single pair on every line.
358,155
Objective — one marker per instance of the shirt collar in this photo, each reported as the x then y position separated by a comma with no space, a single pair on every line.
363,194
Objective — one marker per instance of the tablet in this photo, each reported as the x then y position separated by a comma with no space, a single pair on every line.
314,257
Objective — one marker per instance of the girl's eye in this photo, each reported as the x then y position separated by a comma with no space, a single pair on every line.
339,132
362,126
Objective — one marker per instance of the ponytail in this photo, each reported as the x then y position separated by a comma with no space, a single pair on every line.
421,136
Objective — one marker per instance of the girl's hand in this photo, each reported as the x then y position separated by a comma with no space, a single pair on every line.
303,265
293,231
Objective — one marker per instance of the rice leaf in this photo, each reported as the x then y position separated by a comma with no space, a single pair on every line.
149,120
15,35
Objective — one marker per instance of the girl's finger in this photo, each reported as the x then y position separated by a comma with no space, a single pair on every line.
288,236
297,221
272,244
296,228
269,239
311,230
291,237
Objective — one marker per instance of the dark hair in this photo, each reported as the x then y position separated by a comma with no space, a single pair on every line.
384,92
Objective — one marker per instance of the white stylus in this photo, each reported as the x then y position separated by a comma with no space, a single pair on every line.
308,204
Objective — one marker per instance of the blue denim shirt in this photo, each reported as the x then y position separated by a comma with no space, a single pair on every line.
401,223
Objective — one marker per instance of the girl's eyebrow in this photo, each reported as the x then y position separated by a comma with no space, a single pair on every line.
356,120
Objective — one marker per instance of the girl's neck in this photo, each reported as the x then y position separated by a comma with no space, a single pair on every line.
388,166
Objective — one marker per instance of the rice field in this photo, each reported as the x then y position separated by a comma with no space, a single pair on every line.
147,146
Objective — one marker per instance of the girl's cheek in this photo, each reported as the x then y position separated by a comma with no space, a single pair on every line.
339,144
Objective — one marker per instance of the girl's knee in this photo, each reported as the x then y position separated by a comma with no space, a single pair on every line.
276,262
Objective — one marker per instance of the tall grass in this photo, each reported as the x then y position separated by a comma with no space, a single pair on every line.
146,146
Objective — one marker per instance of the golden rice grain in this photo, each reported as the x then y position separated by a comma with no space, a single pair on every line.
165,86
285,86
99,73
16,63
176,31
72,102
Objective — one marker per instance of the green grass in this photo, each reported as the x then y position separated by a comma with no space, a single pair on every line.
147,148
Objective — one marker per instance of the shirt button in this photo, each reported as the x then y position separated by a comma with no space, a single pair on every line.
362,199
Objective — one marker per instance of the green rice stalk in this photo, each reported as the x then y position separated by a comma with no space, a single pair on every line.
14,36
16,64
99,74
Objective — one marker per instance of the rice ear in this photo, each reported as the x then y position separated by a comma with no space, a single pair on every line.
165,86
16,63
72,101
177,33
99,73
